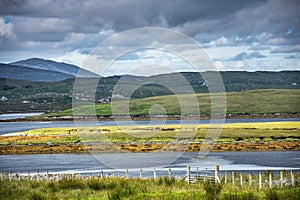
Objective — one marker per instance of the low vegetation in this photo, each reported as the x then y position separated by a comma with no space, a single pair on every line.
247,132
55,96
252,102
233,137
120,188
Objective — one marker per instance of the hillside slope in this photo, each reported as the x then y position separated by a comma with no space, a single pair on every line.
238,103
38,63
55,96
27,73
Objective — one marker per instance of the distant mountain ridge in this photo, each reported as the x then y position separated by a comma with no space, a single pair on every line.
37,69
38,63
50,96
30,74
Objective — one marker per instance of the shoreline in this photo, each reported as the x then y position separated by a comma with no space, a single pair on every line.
144,148
265,136
147,118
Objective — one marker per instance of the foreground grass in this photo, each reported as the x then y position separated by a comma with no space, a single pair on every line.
241,132
119,188
248,102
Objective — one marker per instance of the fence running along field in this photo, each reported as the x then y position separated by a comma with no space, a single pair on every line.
260,179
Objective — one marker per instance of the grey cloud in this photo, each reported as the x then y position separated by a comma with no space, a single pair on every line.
259,47
246,56
126,14
191,16
287,49
292,57
63,26
206,19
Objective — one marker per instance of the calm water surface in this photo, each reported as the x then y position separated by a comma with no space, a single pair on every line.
11,127
94,163
87,163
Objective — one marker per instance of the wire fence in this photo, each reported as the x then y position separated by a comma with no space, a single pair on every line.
191,175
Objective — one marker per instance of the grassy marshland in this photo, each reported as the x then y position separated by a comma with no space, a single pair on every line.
120,188
248,132
233,137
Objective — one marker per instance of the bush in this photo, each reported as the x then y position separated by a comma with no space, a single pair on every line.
52,186
121,191
212,190
37,196
291,194
271,194
71,183
239,196
166,181
34,184
95,184
278,194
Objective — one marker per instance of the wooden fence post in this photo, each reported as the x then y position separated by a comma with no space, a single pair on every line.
170,173
250,180
101,174
232,176
292,178
259,180
154,173
270,180
19,176
9,176
1,176
188,173
28,176
241,179
217,177
225,177
281,178
37,176
126,173
141,173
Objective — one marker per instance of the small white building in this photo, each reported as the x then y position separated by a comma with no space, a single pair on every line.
4,98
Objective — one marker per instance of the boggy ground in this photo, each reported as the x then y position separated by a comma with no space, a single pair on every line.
233,137
194,147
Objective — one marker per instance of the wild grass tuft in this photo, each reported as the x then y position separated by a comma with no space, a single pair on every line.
71,183
166,181
212,190
239,196
98,184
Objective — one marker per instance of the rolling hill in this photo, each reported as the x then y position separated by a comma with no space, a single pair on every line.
252,102
25,95
31,74
40,70
38,63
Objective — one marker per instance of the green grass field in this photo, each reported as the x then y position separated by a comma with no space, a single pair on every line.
146,189
249,132
248,102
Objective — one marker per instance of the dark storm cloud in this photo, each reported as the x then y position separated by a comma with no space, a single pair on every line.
79,25
197,18
213,18
122,15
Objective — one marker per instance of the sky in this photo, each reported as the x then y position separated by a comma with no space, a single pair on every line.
237,35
